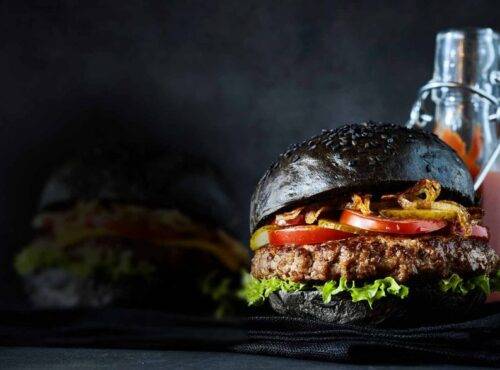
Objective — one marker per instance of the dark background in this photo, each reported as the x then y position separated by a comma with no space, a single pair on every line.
232,81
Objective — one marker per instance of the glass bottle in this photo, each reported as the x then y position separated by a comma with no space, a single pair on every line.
461,105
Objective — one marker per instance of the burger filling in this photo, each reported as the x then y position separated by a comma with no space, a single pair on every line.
121,240
370,248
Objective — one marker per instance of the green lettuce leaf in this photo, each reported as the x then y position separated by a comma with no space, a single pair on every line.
331,288
455,284
369,292
256,291
219,289
495,281
84,262
38,257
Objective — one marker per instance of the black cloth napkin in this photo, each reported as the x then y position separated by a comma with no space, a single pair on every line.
472,342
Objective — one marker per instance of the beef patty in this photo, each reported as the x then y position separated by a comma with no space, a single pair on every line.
368,257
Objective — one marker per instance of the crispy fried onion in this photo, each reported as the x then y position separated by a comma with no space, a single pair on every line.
420,196
423,195
476,213
312,215
360,203
282,218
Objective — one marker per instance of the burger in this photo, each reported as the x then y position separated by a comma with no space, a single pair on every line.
369,223
125,227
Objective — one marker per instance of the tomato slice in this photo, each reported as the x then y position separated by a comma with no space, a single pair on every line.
480,232
387,225
301,235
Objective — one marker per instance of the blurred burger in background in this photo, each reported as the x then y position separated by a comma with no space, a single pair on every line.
127,227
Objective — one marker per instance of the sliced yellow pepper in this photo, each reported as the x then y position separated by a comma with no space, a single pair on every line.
260,237
341,227
420,214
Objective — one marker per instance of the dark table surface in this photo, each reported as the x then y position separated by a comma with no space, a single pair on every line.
85,358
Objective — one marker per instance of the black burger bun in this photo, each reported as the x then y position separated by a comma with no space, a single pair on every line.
175,286
193,186
424,305
363,156
109,173
132,174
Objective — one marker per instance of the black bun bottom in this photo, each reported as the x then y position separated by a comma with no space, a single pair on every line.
56,288
178,284
424,306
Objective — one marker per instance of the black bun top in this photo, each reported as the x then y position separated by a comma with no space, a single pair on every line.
110,173
132,174
367,156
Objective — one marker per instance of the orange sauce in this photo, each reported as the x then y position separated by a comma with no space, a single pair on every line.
470,156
